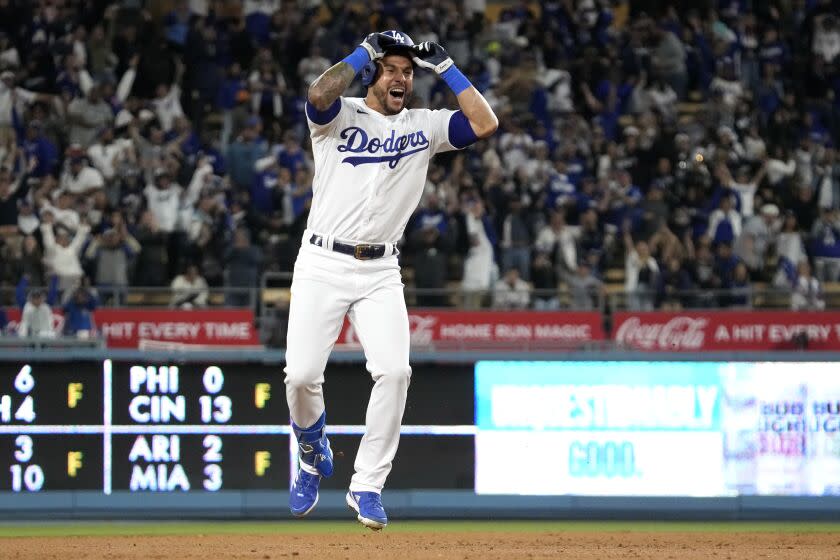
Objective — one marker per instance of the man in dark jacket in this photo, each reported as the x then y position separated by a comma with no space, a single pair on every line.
242,268
78,313
153,259
111,255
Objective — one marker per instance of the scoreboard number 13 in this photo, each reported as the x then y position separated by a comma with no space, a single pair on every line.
218,408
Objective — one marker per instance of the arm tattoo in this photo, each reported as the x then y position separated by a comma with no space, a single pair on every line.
329,85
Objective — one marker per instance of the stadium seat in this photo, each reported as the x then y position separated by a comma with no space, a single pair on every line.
276,297
614,275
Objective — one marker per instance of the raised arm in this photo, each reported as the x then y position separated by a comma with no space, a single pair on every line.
47,234
759,175
324,91
714,220
92,249
85,81
127,80
202,171
478,112
80,237
475,108
724,175
131,243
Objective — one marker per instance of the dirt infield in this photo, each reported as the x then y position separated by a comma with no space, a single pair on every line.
434,545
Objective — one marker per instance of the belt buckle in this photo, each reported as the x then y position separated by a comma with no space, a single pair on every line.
358,251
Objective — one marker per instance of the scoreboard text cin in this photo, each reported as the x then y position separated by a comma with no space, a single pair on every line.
158,400
161,402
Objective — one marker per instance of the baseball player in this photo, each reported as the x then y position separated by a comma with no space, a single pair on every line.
371,159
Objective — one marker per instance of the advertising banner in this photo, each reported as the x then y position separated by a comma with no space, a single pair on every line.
727,330
658,428
470,329
168,328
162,328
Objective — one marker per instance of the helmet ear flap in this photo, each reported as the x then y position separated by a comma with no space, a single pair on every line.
369,72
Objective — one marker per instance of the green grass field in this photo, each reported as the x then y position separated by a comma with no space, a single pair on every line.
105,528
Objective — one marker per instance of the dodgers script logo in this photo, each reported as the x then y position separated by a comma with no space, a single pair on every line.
357,142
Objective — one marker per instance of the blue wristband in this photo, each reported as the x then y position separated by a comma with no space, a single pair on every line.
357,59
456,81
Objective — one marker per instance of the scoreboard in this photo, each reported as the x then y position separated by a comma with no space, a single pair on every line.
103,435
706,429
109,426
118,427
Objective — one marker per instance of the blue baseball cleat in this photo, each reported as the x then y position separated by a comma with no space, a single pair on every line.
369,510
315,460
304,494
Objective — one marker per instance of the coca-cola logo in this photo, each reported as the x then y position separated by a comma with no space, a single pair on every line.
57,324
421,328
679,333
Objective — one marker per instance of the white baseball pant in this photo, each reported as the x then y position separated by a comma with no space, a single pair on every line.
326,286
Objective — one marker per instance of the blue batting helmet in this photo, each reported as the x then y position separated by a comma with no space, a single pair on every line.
370,70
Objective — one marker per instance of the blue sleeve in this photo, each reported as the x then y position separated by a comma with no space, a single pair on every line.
443,226
219,164
325,116
50,156
20,291
461,133
52,291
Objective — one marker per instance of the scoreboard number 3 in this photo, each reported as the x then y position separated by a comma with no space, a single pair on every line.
213,455
28,477
23,453
213,482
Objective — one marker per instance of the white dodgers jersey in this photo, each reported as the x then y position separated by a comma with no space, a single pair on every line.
370,169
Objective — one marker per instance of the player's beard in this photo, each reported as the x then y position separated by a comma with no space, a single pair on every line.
381,94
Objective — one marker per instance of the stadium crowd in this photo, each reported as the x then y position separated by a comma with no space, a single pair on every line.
691,144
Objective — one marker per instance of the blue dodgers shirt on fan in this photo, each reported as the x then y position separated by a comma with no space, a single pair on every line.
370,168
